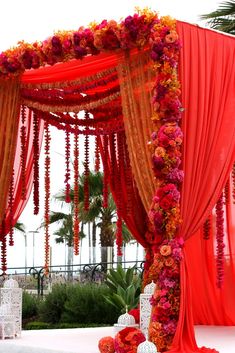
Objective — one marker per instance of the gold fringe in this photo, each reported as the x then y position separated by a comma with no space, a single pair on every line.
69,83
69,108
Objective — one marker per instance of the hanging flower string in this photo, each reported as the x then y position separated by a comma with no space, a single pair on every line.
23,151
47,196
3,248
67,166
86,168
10,207
97,155
105,168
120,149
76,191
207,228
35,163
220,240
227,192
233,183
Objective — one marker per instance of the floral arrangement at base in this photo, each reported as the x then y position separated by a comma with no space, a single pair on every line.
128,339
166,299
125,341
106,345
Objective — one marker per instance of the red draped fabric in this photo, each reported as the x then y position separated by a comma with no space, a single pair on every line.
19,202
207,75
211,305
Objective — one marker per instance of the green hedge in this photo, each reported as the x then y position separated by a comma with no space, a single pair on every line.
67,305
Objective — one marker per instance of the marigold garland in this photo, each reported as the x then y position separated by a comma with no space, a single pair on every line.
220,240
23,151
76,191
36,162
97,155
207,228
105,168
67,166
233,183
47,164
10,207
86,168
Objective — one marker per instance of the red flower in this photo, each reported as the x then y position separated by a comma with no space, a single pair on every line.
106,345
128,339
136,314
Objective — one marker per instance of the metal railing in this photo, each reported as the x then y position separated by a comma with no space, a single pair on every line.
34,279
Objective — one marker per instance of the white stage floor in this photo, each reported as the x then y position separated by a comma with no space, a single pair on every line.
86,340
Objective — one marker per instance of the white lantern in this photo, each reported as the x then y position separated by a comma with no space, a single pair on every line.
145,307
146,347
11,295
125,320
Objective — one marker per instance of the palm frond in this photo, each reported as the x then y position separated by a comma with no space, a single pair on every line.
20,227
223,19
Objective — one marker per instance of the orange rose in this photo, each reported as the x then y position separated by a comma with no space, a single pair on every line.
169,262
165,250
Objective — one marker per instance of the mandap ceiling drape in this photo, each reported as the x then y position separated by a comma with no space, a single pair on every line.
207,76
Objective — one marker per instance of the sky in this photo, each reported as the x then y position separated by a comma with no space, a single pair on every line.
29,20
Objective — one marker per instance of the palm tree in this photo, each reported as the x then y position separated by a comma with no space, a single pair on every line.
97,215
223,19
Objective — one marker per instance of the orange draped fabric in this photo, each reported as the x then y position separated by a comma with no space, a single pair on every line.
207,76
9,120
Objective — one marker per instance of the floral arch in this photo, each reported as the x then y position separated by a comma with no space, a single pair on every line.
167,166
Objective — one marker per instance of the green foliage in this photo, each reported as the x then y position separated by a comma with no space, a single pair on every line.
85,305
51,309
38,325
29,306
125,287
223,19
78,304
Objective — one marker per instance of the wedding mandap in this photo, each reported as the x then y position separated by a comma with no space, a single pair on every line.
158,95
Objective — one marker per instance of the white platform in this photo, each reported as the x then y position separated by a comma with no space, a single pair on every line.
86,340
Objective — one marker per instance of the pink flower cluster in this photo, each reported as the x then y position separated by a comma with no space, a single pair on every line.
133,31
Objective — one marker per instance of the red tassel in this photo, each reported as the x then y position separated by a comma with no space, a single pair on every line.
67,166
47,197
10,206
23,151
86,169
105,168
35,163
220,241
76,192
97,155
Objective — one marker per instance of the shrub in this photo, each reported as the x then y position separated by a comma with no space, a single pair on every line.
29,306
85,304
77,304
125,288
51,309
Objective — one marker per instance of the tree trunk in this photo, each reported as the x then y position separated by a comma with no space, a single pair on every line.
106,236
89,241
94,241
70,263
